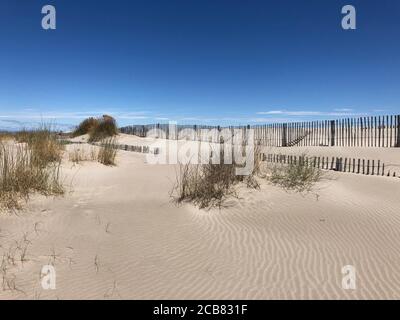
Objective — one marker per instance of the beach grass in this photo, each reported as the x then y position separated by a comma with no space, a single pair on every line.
30,164
108,152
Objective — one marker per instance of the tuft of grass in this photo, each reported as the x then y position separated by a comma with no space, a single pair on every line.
28,167
79,154
21,175
44,145
206,186
209,185
107,152
300,177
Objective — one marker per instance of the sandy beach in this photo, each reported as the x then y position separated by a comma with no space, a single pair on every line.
202,151
116,234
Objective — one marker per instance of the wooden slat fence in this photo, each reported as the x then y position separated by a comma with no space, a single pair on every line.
124,147
350,165
375,131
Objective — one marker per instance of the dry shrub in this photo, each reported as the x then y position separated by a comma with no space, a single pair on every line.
107,152
22,173
85,127
107,127
301,176
209,185
97,128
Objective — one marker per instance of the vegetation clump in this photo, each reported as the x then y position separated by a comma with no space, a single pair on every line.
32,165
97,128
107,152
209,185
300,176
85,127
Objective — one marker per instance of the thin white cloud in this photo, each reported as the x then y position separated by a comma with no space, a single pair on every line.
72,115
269,120
310,113
128,117
343,110
272,112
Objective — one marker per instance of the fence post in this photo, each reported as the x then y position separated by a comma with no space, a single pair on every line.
284,135
333,132
398,132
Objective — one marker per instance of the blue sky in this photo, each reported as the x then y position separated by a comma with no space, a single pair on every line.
198,61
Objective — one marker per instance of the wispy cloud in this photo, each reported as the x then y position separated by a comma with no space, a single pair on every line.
15,125
29,116
37,115
344,110
269,120
301,113
130,117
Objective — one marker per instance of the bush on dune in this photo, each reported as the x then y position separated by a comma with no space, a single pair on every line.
85,127
107,127
98,129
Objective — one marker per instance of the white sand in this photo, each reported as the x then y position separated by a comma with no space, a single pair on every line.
116,234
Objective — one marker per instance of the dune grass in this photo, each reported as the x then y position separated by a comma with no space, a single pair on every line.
43,143
80,154
300,177
205,186
29,166
209,185
23,173
108,152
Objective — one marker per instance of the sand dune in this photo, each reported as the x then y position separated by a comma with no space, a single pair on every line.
116,234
